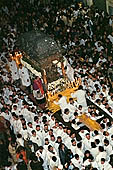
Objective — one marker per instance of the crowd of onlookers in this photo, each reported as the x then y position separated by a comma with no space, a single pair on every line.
31,138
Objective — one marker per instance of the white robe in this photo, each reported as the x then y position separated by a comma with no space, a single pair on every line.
53,164
24,76
36,139
24,133
80,95
105,166
77,163
14,71
17,126
62,103
70,73
101,155
44,157
72,107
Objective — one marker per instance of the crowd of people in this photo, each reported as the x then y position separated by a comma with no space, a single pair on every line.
34,139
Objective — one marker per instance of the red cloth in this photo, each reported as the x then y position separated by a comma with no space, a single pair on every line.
24,156
37,84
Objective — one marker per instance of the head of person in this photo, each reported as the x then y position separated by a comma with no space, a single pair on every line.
34,133
46,141
73,142
66,111
102,160
59,139
80,87
88,136
54,158
87,153
59,96
20,66
50,148
79,145
101,148
30,124
77,156
71,100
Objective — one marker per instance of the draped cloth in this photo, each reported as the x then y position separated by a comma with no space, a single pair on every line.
91,124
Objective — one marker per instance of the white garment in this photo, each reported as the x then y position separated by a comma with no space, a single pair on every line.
24,76
14,71
94,152
77,163
37,140
101,155
67,117
53,164
17,126
6,116
80,95
110,38
50,155
27,114
70,73
72,107
87,143
73,149
80,152
62,103
24,133
20,141
110,102
108,149
44,157
105,166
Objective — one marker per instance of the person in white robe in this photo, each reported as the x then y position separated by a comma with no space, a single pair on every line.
73,146
27,114
72,105
13,68
62,102
17,125
107,147
69,71
102,154
50,153
30,128
67,116
80,150
110,102
80,94
20,140
77,161
6,114
39,133
24,76
42,153
94,150
87,141
104,165
24,132
35,139
54,162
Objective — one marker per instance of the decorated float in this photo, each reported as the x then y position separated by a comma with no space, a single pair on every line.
43,57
